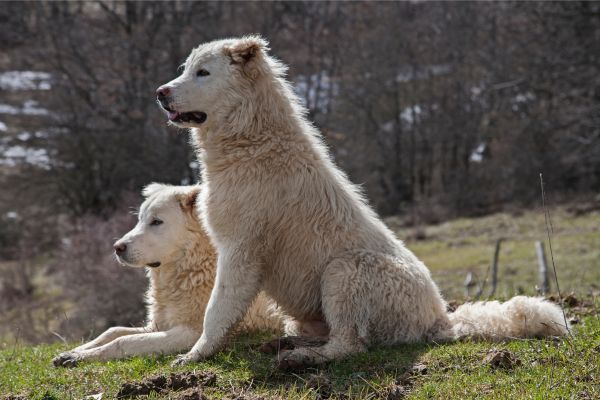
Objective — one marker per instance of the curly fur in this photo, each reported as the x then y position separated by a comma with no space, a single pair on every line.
287,221
179,289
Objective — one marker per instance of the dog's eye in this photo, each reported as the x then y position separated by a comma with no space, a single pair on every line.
156,222
202,72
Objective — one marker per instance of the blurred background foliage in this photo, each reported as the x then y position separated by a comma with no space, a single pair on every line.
439,110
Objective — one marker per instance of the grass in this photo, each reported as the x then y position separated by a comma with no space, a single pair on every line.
454,248
548,369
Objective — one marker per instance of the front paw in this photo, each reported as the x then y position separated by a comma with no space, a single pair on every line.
68,359
185,359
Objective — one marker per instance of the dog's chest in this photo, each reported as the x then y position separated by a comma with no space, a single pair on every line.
178,298
232,213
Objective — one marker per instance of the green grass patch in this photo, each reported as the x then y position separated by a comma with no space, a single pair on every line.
454,248
547,369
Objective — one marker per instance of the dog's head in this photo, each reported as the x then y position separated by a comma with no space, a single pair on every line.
213,80
167,223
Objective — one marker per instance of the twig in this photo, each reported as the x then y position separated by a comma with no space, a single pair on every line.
14,352
549,228
58,335
492,267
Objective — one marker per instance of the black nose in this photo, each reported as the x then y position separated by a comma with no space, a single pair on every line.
120,247
162,92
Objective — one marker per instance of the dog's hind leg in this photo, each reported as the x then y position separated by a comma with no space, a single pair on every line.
111,334
345,306
167,342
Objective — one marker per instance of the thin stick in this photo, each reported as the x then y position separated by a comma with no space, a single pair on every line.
492,265
495,268
548,227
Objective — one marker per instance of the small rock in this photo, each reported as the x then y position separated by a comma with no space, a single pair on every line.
585,395
419,369
501,359
584,378
397,392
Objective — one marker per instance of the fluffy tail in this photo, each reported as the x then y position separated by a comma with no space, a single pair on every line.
519,317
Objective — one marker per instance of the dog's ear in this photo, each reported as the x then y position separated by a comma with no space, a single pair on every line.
246,52
187,200
153,188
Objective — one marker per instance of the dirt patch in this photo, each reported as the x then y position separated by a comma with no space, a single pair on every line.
569,300
501,359
321,384
191,394
398,392
173,382
276,345
404,383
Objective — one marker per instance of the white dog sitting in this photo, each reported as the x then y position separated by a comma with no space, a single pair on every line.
170,240
285,219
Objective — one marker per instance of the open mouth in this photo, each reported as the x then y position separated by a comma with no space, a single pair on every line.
190,116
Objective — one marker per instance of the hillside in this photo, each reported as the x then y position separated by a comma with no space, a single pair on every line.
529,369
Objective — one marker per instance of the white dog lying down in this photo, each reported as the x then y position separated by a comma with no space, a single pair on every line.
286,220
170,240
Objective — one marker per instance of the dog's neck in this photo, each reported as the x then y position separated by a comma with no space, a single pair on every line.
265,119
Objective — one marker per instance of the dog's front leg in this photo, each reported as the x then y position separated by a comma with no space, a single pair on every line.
111,334
236,285
166,342
108,336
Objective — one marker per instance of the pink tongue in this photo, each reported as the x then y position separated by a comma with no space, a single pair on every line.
173,115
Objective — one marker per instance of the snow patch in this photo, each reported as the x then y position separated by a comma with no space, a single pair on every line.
412,114
388,126
30,107
408,73
477,154
315,91
524,97
25,80
14,155
25,136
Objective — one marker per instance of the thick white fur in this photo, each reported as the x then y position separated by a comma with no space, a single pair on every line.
519,317
179,288
287,221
